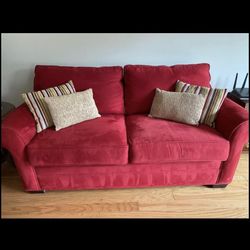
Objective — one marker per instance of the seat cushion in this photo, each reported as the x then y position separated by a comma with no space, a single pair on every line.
154,140
95,142
140,82
106,83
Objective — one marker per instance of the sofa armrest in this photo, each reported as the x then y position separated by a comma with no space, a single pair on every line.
18,129
232,122
231,117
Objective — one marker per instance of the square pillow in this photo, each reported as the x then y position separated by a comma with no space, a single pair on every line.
38,107
213,100
71,109
179,107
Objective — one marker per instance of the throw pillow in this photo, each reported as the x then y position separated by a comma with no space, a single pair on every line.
38,107
71,109
213,100
180,107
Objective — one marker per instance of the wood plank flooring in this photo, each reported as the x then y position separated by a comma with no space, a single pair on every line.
166,202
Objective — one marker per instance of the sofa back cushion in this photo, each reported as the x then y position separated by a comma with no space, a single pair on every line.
142,80
106,83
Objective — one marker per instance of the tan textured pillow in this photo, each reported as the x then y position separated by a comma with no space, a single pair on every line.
213,100
71,109
177,106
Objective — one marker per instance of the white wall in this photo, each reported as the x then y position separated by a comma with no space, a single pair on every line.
226,53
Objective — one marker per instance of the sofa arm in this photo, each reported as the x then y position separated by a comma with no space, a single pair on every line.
231,117
18,129
232,122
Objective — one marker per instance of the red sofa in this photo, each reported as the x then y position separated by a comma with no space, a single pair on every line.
125,148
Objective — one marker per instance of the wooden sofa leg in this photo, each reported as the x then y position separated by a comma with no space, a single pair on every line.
217,186
37,192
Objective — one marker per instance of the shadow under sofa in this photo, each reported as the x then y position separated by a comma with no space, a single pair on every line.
125,148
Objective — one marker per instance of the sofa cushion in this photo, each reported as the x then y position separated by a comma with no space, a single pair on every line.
142,80
106,83
159,141
95,142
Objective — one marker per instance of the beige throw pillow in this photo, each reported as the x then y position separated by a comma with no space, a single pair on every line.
71,109
213,100
177,106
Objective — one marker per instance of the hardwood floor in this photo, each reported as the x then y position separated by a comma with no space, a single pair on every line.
166,202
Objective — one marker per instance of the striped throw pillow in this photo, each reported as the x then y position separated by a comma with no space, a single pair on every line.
38,106
214,99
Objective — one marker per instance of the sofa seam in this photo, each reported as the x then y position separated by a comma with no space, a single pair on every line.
36,177
213,142
17,134
80,148
236,128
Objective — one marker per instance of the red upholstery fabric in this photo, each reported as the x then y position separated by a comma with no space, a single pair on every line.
106,83
92,154
141,82
157,141
98,141
18,128
131,176
233,122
